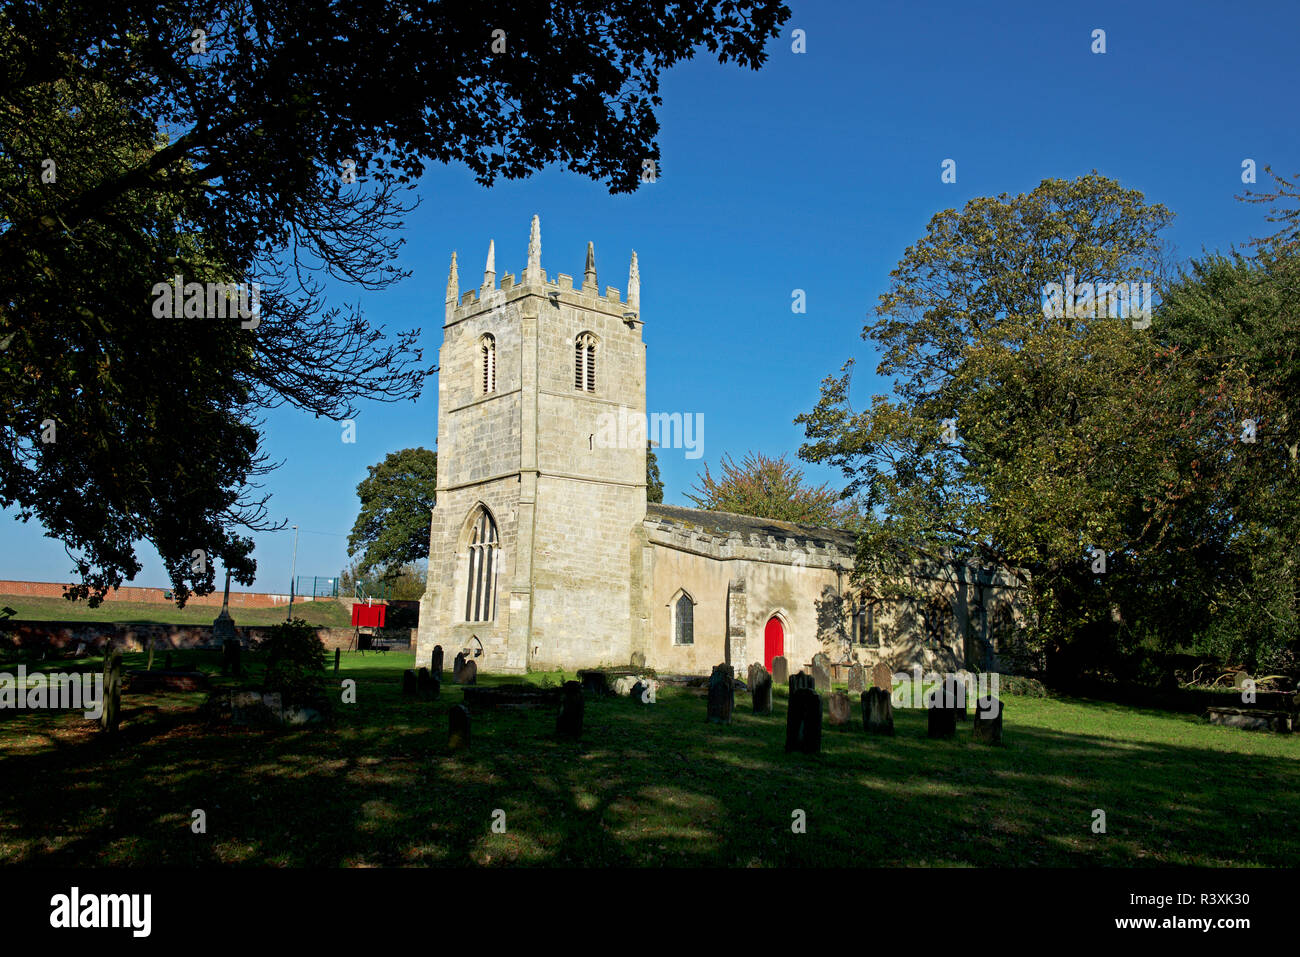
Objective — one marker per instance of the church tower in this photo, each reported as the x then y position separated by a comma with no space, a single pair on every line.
535,542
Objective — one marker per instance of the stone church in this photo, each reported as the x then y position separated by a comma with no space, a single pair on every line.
544,553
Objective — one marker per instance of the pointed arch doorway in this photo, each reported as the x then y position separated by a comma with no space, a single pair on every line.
773,641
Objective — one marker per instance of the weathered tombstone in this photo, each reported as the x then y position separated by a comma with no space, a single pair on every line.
722,694
877,712
987,726
458,730
802,680
941,718
760,689
230,649
409,685
569,721
961,688
112,704
821,672
435,664
882,677
457,666
803,721
780,670
337,654
857,678
468,674
638,660
594,683
427,685
840,711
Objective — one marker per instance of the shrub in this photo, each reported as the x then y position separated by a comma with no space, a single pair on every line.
295,663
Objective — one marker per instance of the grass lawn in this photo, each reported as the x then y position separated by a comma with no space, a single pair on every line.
648,785
28,608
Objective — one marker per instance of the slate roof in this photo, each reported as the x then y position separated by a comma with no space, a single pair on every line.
724,523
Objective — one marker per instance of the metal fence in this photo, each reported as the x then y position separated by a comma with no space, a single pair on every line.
314,586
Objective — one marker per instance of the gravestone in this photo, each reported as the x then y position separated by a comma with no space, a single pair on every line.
569,721
337,653
961,688
427,684
722,694
408,682
112,704
882,677
435,663
821,672
594,683
780,670
987,726
760,689
802,680
803,721
840,711
941,716
457,665
857,678
458,728
877,712
638,660
230,649
468,674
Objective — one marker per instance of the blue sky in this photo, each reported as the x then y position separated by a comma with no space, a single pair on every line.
814,173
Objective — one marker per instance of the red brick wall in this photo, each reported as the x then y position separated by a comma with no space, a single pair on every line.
240,599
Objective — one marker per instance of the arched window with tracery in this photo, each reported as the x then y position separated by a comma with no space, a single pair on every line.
584,363
488,364
484,562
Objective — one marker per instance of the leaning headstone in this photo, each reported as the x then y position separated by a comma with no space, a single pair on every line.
760,689
408,682
801,681
803,722
780,670
428,685
569,721
458,728
435,663
987,727
457,666
230,649
840,711
877,712
468,674
941,716
857,678
821,671
882,677
722,695
111,713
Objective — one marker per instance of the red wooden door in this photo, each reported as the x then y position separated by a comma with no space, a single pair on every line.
773,641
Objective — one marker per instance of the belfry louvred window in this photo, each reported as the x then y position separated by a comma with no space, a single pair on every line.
484,560
488,364
584,363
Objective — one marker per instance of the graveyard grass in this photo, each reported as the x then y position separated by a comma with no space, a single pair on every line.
648,785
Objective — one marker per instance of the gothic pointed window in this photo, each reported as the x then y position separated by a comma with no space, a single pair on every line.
484,561
488,364
584,363
684,620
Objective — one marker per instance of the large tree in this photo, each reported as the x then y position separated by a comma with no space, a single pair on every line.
392,527
226,142
769,488
1059,444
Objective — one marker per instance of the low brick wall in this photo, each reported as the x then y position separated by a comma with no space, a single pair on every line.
238,599
65,636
